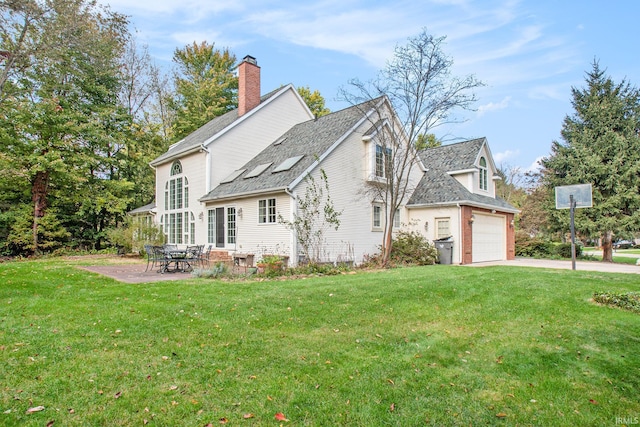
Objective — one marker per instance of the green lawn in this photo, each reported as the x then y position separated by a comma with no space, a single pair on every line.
437,345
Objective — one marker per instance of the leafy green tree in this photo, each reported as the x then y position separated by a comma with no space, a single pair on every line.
314,101
600,145
206,86
424,141
62,109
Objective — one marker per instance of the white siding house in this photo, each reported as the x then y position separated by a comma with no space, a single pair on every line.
231,183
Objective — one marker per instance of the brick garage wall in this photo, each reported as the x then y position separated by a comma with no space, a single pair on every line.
467,234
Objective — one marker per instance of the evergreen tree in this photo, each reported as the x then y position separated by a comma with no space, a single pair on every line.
600,146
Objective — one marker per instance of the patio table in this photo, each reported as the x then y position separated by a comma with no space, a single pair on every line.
177,257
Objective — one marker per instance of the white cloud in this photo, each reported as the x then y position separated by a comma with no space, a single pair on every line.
535,166
483,109
501,157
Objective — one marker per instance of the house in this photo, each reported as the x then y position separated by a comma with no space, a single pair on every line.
230,183
456,198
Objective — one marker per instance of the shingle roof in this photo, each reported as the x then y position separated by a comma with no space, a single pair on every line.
203,133
310,139
143,209
437,187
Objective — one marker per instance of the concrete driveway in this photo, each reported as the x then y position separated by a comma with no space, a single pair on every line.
565,265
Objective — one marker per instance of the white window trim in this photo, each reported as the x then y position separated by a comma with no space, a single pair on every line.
267,217
379,207
436,229
483,178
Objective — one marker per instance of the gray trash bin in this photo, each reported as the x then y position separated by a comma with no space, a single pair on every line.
445,250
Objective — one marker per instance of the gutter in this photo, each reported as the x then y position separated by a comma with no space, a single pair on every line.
244,195
466,203
197,149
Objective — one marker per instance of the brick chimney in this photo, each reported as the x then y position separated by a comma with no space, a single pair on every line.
248,85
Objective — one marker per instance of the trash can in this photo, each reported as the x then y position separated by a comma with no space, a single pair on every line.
445,250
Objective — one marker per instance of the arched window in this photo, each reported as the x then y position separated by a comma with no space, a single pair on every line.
179,224
483,174
176,168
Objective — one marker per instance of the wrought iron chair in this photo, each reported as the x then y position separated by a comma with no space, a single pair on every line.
204,256
154,257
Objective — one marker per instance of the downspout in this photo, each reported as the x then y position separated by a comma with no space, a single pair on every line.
207,169
460,232
293,242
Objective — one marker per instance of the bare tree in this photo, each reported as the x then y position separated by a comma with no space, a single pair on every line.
137,79
510,186
18,18
418,86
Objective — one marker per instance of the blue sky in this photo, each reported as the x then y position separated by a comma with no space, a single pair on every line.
528,53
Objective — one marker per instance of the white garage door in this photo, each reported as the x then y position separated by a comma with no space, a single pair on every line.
489,238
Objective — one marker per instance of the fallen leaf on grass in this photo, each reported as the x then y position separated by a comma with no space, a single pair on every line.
501,415
117,395
392,407
280,417
593,402
51,423
35,409
223,420
247,416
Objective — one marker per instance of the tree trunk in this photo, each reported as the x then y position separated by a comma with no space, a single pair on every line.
607,252
39,190
388,245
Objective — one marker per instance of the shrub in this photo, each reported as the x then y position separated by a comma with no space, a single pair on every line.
217,270
528,246
564,250
629,301
132,236
412,248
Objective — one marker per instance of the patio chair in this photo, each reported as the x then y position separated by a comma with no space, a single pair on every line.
194,255
204,256
153,256
159,258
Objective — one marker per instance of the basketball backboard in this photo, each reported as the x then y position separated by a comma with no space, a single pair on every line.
581,195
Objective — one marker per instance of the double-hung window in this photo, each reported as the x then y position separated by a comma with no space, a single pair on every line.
483,182
376,218
383,161
443,228
267,211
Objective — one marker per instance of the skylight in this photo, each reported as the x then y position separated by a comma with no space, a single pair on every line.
258,170
287,164
233,176
280,140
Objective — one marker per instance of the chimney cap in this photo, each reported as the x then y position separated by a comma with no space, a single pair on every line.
250,59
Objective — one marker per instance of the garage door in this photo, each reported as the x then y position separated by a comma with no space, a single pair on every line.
489,238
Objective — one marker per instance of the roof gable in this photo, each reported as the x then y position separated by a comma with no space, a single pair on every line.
293,154
454,157
213,129
438,187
